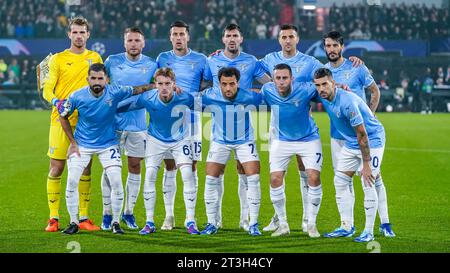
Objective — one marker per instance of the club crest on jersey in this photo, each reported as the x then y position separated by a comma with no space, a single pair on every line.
338,114
192,66
296,69
89,61
144,70
296,102
109,102
243,67
347,75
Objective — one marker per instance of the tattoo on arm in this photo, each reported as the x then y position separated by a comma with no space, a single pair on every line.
264,79
374,97
363,141
142,88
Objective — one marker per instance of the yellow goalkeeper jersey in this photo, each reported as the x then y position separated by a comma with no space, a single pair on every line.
67,73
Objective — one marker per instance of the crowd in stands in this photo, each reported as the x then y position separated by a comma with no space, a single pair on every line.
390,22
262,18
49,18
18,71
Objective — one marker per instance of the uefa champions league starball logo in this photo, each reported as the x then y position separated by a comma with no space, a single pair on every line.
98,47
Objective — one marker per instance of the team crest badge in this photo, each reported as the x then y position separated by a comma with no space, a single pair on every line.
109,102
296,102
243,67
347,75
89,61
144,70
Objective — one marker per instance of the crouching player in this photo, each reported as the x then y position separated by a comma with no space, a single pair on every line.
167,133
363,145
95,135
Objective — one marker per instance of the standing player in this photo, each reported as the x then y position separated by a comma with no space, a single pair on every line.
231,131
167,133
249,69
294,133
363,146
357,79
95,135
189,67
68,72
303,67
129,68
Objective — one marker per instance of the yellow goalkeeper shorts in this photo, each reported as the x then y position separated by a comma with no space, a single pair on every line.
58,142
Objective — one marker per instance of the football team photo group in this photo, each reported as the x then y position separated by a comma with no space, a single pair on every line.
216,135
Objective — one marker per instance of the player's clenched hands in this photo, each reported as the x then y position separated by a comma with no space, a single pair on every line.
73,149
366,175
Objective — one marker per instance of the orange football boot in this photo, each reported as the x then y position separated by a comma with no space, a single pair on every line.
52,225
88,224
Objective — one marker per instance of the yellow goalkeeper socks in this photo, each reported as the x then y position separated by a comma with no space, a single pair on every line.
53,195
84,189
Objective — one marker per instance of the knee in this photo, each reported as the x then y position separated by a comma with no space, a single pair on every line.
134,166
314,178
276,181
170,164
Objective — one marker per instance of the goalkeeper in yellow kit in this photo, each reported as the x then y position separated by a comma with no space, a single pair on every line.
68,72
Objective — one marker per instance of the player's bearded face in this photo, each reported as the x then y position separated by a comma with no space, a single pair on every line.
283,80
97,81
78,35
229,86
325,87
134,43
333,49
232,39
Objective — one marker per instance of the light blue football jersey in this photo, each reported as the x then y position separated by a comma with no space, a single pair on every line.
189,69
122,71
95,128
346,111
231,121
167,120
357,78
303,66
247,64
289,118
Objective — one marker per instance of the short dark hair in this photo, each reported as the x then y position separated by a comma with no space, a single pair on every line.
229,72
179,23
79,21
322,72
283,66
230,27
289,26
133,30
97,67
334,35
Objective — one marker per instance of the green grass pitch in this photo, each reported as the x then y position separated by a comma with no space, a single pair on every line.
415,169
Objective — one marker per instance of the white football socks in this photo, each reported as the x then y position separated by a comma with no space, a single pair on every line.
149,192
242,192
314,199
132,192
254,197
211,197
106,194
169,190
382,200
189,191
278,198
